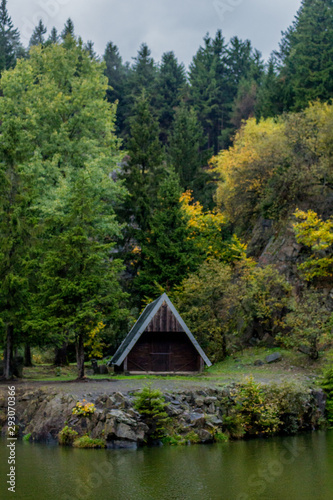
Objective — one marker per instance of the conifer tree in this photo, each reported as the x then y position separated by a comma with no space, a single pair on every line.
37,37
184,152
306,54
9,39
68,29
145,164
54,37
170,86
117,74
168,253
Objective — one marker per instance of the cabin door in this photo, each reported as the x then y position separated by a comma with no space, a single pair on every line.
160,356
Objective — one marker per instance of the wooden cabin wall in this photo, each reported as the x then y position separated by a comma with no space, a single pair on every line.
164,352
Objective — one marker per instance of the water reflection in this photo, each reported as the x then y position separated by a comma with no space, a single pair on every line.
298,468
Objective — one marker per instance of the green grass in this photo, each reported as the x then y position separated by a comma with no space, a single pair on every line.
234,368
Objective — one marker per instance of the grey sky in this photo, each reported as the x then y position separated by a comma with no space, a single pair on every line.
177,25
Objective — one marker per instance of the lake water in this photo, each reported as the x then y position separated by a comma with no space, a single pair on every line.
293,468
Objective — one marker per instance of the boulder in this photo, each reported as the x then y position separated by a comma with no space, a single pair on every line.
204,436
273,358
196,420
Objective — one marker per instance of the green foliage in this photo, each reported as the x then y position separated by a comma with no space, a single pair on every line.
143,171
87,442
306,56
184,153
309,324
168,254
27,437
67,436
252,413
61,160
151,405
318,235
10,46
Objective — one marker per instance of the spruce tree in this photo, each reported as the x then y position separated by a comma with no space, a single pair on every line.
117,74
306,55
9,39
37,37
168,253
145,164
68,29
170,85
54,37
184,150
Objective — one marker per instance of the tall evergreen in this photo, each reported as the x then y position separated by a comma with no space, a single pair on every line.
184,150
117,74
68,29
9,39
209,90
168,252
54,37
170,86
306,55
145,164
37,37
144,71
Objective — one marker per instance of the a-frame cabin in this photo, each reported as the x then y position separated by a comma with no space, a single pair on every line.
160,342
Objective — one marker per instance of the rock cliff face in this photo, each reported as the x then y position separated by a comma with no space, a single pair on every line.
201,413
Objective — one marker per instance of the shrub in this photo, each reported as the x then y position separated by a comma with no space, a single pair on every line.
83,409
150,403
250,412
27,437
67,436
87,442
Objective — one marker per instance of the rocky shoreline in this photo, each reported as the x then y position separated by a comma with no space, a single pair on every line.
42,414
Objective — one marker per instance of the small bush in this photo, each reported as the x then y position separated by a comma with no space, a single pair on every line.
150,403
67,436
83,409
220,437
27,437
87,442
250,412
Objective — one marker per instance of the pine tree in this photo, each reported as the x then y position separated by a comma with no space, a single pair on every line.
168,253
184,154
306,55
89,47
54,37
144,71
208,91
37,37
68,29
144,168
170,85
9,39
117,75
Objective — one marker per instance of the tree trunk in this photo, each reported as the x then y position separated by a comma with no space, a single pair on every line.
8,365
80,356
27,355
60,358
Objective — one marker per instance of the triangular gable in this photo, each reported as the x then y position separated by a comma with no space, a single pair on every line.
140,326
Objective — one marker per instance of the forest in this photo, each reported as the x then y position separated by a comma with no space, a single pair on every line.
120,181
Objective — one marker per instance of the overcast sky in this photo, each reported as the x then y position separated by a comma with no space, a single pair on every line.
165,25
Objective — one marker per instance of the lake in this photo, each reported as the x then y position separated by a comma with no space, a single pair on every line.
292,468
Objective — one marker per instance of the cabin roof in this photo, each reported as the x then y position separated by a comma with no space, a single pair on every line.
142,323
